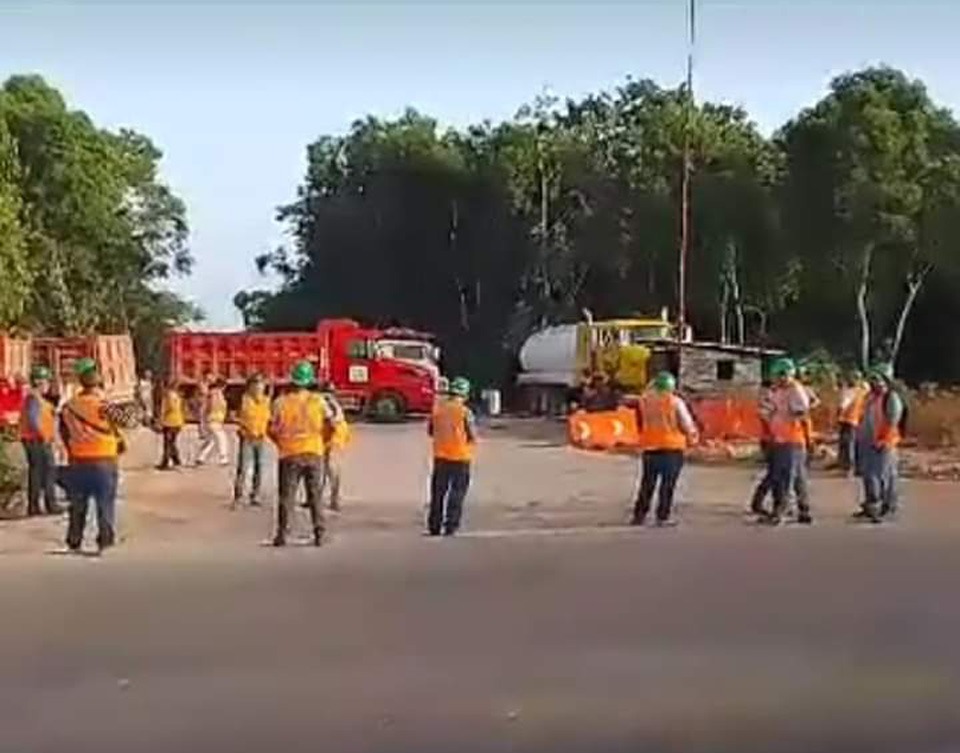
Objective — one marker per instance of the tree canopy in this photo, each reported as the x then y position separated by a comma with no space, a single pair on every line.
825,235
87,229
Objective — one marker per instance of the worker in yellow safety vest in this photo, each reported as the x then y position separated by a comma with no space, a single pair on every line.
252,423
37,433
94,445
336,444
454,436
170,423
298,427
214,435
787,415
666,428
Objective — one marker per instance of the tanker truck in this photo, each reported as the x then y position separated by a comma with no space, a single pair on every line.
558,361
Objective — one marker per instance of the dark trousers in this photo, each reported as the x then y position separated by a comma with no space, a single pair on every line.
96,481
291,473
846,447
448,488
250,455
171,448
788,471
659,467
799,481
41,477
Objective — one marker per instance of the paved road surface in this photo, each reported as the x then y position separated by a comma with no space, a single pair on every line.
527,635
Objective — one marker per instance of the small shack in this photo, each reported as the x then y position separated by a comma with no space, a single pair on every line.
711,368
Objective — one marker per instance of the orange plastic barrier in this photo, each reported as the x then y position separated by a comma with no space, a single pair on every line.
604,430
728,418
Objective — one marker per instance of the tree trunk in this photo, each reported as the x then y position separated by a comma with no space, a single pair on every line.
863,288
914,283
723,307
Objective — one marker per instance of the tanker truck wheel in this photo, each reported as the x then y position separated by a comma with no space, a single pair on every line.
387,407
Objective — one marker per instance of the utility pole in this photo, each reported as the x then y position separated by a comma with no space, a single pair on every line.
685,177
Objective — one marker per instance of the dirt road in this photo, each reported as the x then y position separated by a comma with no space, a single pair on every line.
547,627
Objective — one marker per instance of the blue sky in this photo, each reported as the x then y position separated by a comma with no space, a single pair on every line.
233,92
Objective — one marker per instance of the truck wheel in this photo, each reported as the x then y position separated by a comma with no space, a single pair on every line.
387,407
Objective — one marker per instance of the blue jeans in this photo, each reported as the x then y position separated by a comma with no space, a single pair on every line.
663,467
448,488
250,456
96,481
788,470
41,477
878,466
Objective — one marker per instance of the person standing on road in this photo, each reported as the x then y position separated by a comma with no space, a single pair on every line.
214,408
764,487
253,422
298,427
172,420
93,445
787,416
335,445
878,439
853,396
454,435
37,433
666,428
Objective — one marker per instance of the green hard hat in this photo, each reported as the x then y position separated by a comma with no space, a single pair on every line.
39,374
460,387
783,367
85,367
882,371
303,374
664,382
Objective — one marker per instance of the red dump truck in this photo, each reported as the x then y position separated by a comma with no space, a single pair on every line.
346,354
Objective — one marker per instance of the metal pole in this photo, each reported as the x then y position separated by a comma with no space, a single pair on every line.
685,177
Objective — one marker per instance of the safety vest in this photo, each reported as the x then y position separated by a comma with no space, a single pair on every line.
786,428
90,435
254,416
47,428
171,410
341,435
852,412
297,424
660,426
216,407
885,434
450,440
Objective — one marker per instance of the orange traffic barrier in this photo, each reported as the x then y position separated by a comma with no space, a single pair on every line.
603,430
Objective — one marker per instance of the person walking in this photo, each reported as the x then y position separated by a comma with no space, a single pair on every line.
787,416
253,422
37,434
666,428
853,397
454,434
298,427
94,445
172,421
336,443
214,438
880,432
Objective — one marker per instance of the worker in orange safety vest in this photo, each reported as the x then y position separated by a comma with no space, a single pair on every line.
853,398
37,433
94,445
298,427
880,432
666,428
786,415
454,436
